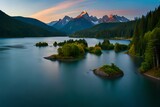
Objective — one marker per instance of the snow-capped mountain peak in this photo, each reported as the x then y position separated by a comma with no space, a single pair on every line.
62,22
91,19
83,14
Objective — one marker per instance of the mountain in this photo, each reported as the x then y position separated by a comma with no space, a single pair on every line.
104,19
52,23
93,19
62,22
76,24
38,23
84,20
85,15
108,30
113,18
10,27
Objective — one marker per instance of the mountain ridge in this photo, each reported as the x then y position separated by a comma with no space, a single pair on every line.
37,23
70,25
11,27
76,25
94,19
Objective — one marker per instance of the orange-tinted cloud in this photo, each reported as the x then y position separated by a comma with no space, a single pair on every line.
60,16
46,15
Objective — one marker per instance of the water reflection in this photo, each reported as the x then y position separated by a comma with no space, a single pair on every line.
27,79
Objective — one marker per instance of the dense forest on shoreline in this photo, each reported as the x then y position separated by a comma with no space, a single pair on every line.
108,30
146,40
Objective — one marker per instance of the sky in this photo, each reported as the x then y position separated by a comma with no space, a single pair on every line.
51,10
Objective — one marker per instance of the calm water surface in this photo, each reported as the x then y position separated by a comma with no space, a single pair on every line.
28,80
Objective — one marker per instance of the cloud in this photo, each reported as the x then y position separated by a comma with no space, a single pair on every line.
46,15
60,16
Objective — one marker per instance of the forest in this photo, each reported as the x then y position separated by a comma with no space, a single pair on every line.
146,40
108,30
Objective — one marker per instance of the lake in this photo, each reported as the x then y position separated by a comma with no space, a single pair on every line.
29,80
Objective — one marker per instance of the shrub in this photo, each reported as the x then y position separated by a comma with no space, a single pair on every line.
55,44
41,44
144,67
105,45
120,47
95,50
71,50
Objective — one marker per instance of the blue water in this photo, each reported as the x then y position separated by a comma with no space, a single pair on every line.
29,80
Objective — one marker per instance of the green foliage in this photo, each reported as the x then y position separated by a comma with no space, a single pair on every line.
60,51
95,50
132,50
148,60
55,44
151,55
143,25
111,69
71,50
144,67
120,47
41,44
106,45
80,41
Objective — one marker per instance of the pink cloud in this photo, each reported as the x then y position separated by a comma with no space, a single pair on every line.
60,16
46,15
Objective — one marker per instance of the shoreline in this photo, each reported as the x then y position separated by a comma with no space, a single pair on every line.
52,58
151,76
101,73
146,74
103,38
153,73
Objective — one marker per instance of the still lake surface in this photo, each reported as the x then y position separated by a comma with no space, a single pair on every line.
29,80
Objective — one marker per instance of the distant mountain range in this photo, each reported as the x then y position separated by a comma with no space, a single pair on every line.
24,27
61,23
70,25
30,27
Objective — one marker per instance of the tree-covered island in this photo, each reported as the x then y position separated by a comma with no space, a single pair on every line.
72,50
106,45
41,44
108,71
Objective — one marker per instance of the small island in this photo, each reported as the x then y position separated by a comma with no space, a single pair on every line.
41,44
108,71
70,51
95,50
106,45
